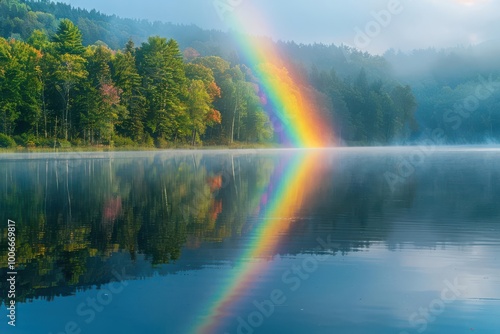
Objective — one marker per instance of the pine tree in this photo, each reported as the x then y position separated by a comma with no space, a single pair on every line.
10,87
68,38
162,69
128,80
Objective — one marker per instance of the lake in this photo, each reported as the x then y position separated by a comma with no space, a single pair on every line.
348,240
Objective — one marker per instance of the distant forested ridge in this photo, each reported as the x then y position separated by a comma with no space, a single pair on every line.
457,89
100,79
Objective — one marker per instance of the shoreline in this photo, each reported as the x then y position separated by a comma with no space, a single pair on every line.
81,149
236,147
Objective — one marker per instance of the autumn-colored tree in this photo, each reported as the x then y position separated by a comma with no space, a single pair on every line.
190,54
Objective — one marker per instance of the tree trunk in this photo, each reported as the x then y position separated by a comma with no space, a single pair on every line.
44,108
66,123
55,134
193,139
232,123
239,126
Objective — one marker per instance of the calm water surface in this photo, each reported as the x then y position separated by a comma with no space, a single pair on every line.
374,240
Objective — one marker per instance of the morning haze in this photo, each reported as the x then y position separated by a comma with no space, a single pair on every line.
420,24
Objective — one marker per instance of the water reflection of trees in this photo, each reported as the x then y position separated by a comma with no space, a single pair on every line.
78,219
73,215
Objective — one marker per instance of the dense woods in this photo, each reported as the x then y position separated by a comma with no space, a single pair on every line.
57,91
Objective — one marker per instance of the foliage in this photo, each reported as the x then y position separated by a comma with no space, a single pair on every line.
92,94
6,141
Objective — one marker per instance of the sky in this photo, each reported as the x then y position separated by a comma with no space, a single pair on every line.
369,25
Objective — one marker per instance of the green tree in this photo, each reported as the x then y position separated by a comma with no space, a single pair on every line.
19,86
198,72
10,87
406,105
199,106
40,41
30,104
161,66
70,71
100,97
127,78
68,38
256,126
218,66
232,102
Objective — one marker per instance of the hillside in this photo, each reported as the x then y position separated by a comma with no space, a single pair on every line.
397,98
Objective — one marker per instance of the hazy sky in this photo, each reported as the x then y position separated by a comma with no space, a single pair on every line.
403,24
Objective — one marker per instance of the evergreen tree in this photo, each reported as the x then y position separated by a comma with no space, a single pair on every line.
161,66
68,38
100,97
127,78
11,78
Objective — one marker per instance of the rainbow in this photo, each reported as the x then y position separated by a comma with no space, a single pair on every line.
297,119
297,116
289,186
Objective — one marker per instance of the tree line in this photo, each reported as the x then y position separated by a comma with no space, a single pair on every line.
367,111
55,90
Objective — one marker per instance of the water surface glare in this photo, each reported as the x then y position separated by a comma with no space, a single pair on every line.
347,240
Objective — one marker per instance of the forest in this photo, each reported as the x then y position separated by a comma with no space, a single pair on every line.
96,79
55,91
84,92
457,89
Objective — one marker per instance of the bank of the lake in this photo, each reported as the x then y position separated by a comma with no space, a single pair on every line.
107,148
